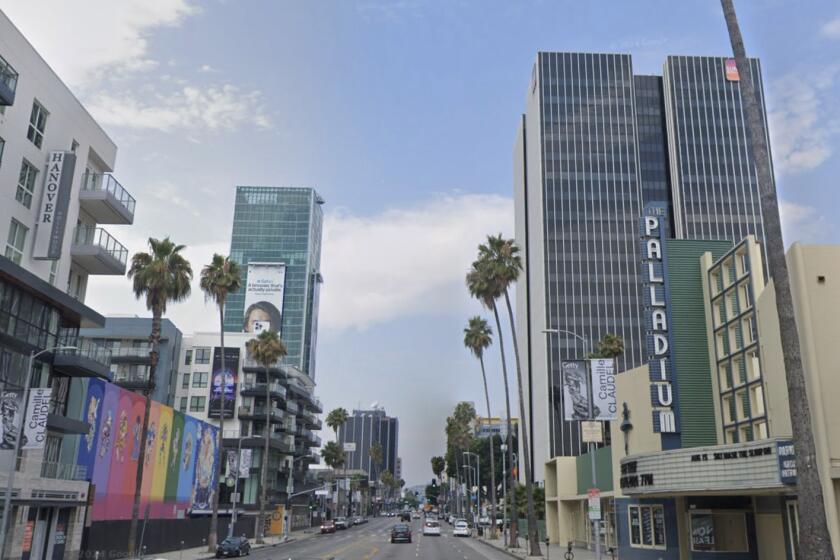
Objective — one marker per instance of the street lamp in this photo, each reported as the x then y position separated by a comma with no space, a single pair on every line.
469,490
596,522
503,448
7,499
290,488
477,475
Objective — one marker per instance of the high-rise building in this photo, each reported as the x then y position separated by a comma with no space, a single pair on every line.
365,428
56,188
597,144
277,241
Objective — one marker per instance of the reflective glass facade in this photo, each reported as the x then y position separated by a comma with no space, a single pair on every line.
282,225
364,428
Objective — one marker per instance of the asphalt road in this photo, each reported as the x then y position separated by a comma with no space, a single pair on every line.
371,541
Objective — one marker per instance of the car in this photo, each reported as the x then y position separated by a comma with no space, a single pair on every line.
415,515
461,529
405,516
341,523
328,526
358,520
400,533
450,519
431,528
483,521
233,546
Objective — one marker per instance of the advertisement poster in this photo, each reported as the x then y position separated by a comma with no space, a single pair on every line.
170,494
186,476
232,468
731,70
702,532
223,382
603,388
11,409
35,429
123,471
161,463
264,290
245,463
91,412
205,468
575,390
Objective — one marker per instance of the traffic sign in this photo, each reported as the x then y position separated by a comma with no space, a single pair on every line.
594,496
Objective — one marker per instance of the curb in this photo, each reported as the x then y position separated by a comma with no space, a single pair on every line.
503,550
261,547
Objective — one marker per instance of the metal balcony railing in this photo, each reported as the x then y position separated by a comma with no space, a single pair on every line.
63,471
260,387
292,407
82,347
138,350
89,235
106,182
131,378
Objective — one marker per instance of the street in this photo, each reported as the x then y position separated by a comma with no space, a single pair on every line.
371,542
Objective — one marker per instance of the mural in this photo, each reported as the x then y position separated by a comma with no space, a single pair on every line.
179,466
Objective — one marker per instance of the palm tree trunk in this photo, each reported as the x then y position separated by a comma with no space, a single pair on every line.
533,533
154,339
214,520
264,473
492,458
510,500
815,540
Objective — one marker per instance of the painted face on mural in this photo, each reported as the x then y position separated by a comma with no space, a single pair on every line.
188,449
173,454
93,413
135,433
164,439
105,435
122,432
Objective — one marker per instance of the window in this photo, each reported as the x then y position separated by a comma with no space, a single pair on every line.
199,379
188,358
37,124
719,532
183,405
16,241
647,526
197,404
185,381
26,184
202,355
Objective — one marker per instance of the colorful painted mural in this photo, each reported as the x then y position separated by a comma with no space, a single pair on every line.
180,463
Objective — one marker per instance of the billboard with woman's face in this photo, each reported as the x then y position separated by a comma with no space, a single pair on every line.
264,290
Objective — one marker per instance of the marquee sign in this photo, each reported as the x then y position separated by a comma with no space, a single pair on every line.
654,225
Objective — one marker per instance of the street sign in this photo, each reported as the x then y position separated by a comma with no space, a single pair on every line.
591,431
594,496
349,447
322,492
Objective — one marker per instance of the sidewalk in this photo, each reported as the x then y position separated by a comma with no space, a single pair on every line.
555,552
200,552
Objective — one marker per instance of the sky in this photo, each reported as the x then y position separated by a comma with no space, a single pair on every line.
402,115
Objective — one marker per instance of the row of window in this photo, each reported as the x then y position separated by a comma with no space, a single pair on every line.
199,380
713,531
196,404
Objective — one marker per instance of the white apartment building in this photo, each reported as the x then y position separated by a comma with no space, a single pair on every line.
56,189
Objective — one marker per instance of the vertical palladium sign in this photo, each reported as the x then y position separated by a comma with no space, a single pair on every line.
52,218
653,229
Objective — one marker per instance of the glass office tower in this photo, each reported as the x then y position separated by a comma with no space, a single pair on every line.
595,145
364,428
281,225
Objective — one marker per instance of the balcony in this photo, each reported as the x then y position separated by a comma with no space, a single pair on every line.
97,252
63,471
87,359
258,413
105,199
133,380
252,366
252,389
309,419
137,354
316,404
292,408
8,83
256,438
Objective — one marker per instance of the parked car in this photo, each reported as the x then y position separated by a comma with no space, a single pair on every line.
328,526
358,520
233,546
461,529
341,523
415,515
400,533
431,528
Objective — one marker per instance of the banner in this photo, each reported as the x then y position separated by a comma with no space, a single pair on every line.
11,416
55,200
603,389
245,463
232,464
205,484
223,382
575,390
264,291
35,429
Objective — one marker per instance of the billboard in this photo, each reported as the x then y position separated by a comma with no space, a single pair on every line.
223,382
264,289
575,390
731,70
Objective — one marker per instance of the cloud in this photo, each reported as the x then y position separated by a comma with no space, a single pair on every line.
405,261
803,223
215,108
105,36
803,119
831,29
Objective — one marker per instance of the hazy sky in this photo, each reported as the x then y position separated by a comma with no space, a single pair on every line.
402,115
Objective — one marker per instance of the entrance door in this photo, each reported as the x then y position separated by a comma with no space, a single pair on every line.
792,510
43,518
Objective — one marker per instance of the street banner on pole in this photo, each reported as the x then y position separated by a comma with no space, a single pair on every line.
575,390
232,464
11,412
603,389
245,463
594,497
35,428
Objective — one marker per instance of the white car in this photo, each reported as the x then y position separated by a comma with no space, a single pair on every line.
461,529
451,519
431,528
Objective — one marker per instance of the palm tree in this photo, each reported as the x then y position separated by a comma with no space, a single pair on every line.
478,336
482,287
336,419
219,279
160,276
611,346
267,349
815,540
375,453
333,456
502,266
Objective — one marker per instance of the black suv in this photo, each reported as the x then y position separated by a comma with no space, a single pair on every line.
233,546
401,533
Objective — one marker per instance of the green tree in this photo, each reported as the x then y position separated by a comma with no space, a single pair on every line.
478,336
267,349
610,346
539,501
219,279
335,420
438,466
160,276
814,540
375,453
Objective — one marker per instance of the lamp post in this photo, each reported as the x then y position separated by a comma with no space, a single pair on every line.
290,488
503,448
7,498
595,522
469,490
235,488
477,476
